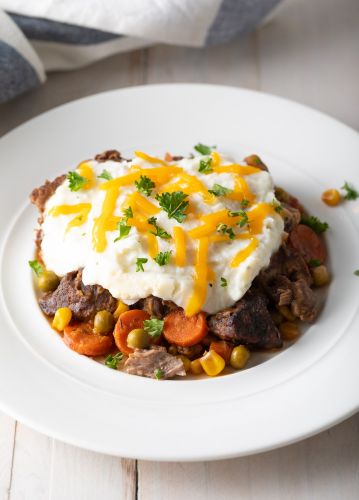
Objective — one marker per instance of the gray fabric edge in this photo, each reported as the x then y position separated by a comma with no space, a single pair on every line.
37,28
16,73
237,17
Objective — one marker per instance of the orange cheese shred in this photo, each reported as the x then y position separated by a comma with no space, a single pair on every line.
152,245
85,170
99,229
179,237
199,293
242,255
81,209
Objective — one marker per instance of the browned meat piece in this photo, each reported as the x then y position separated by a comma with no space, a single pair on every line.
156,307
305,305
111,154
291,217
169,157
248,322
39,196
84,301
154,363
287,282
192,352
255,161
285,197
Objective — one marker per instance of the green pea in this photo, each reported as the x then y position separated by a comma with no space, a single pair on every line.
103,322
48,281
239,357
138,339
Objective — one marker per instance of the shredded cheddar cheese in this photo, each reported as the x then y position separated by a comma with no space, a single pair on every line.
198,297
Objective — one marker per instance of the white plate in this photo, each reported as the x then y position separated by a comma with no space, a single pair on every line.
302,390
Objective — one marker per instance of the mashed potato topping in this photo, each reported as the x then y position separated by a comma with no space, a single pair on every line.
195,231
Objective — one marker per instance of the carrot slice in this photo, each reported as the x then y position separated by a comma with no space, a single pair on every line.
81,338
126,322
222,348
308,243
184,331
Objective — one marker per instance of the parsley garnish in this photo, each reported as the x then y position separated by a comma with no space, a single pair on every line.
76,181
219,190
36,267
112,361
205,165
224,229
163,258
153,327
105,174
139,264
277,206
160,232
313,222
159,373
128,213
122,224
314,263
351,193
244,203
224,282
242,214
174,204
145,185
123,228
356,272
203,149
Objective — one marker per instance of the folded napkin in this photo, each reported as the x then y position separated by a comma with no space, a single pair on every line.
43,35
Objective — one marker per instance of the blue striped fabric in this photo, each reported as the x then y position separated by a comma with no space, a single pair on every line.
73,45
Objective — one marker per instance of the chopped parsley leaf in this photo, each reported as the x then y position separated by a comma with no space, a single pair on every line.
203,149
219,190
244,203
159,373
139,264
145,185
205,165
112,360
314,263
153,327
351,193
76,181
128,213
356,272
277,206
123,228
224,282
314,223
174,204
224,229
163,258
242,214
105,174
36,267
160,232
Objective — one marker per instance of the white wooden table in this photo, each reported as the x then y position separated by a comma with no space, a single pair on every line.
309,52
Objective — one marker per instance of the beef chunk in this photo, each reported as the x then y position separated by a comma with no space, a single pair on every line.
291,217
192,352
287,282
111,154
84,301
155,306
248,322
39,196
305,305
146,363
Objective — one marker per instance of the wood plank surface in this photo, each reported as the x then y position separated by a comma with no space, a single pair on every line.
307,52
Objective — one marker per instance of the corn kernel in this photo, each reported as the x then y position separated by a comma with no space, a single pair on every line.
62,318
196,367
186,362
331,197
212,363
121,308
288,330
